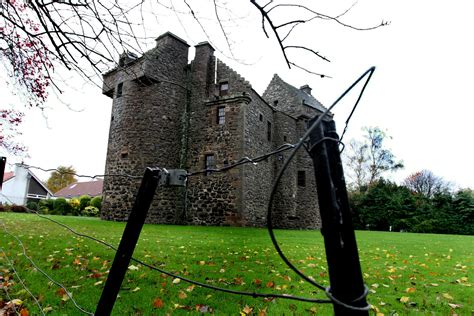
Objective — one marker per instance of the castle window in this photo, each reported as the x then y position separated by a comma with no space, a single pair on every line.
223,88
301,178
221,115
285,139
209,162
269,130
119,89
260,117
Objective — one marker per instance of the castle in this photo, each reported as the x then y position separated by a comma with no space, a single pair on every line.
173,114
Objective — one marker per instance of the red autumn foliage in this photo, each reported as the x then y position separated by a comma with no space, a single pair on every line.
9,123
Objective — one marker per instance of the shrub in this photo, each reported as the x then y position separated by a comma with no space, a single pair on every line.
61,207
90,211
75,206
18,208
97,202
84,201
32,205
4,208
46,206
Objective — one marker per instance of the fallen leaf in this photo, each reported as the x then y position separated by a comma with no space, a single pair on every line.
176,281
182,295
24,312
60,292
247,310
410,290
404,299
270,284
203,308
47,309
158,303
454,305
133,268
136,289
65,297
447,296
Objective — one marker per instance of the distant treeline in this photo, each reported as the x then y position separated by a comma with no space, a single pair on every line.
386,206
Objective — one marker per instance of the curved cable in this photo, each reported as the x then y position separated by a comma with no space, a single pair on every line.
21,281
204,285
369,72
44,273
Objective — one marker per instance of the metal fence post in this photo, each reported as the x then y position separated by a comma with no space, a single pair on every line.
129,240
345,274
3,162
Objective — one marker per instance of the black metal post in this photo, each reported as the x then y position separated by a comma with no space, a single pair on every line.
129,240
3,162
345,275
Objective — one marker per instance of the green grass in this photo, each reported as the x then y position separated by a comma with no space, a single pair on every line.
419,274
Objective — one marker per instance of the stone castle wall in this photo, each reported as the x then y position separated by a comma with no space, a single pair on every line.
167,116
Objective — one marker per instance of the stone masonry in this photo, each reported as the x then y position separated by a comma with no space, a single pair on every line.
173,114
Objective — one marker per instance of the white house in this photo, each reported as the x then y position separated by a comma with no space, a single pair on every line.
21,186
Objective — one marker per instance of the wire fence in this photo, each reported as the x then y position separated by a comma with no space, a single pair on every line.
245,160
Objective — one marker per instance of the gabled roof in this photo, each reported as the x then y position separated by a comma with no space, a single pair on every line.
306,99
11,174
8,175
40,182
91,188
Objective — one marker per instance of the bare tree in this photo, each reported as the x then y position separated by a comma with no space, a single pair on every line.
426,183
366,161
86,36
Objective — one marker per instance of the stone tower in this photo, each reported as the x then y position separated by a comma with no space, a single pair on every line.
171,114
149,98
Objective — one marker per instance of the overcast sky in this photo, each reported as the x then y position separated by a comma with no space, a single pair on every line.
420,92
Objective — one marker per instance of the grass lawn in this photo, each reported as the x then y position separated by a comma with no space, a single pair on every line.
419,274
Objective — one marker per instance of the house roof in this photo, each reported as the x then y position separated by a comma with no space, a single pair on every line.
306,98
11,174
8,175
91,188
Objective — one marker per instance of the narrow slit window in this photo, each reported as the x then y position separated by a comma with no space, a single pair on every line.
223,88
119,89
209,163
221,115
269,130
301,178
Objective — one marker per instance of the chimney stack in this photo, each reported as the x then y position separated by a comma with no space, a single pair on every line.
306,89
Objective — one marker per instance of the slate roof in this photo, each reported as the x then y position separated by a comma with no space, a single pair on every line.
306,98
91,188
